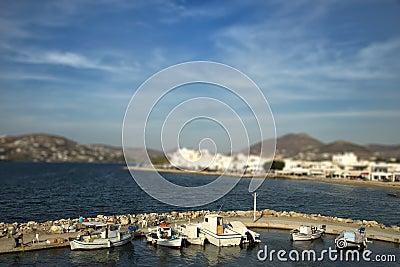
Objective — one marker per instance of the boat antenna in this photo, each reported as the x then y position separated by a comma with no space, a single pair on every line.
220,207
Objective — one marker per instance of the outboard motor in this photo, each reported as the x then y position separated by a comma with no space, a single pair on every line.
250,238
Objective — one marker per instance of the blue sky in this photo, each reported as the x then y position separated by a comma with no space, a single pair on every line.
328,68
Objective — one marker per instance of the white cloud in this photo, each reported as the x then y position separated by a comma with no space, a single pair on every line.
68,59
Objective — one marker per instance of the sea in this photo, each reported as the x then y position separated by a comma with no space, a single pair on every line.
51,191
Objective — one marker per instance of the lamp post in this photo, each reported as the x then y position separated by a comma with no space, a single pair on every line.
255,206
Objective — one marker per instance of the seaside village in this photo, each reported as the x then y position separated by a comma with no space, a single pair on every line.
341,166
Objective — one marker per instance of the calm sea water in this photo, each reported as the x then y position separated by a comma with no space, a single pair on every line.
40,191
49,191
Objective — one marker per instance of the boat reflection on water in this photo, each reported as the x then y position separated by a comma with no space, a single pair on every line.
165,256
211,255
314,244
99,256
208,255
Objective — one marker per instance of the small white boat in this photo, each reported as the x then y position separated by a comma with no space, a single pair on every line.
164,235
356,239
109,236
307,233
217,234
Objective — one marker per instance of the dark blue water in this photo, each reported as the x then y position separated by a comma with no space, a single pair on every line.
49,191
139,253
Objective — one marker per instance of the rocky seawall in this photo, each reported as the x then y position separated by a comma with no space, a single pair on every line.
149,219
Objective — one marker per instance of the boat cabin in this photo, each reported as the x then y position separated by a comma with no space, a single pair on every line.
214,223
305,230
105,230
164,232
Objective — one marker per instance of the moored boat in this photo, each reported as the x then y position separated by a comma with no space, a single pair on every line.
356,239
163,235
307,233
217,233
109,236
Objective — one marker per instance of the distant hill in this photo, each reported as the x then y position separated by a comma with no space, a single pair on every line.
340,146
290,145
293,144
51,148
385,151
139,155
303,146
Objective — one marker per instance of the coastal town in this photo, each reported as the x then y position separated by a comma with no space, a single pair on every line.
344,165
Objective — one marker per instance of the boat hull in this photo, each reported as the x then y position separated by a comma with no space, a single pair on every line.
302,237
172,243
196,240
101,243
346,244
225,240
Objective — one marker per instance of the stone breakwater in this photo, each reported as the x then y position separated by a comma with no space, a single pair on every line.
149,219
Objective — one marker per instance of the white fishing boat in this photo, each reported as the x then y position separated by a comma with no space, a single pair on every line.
307,233
217,234
163,235
356,239
109,236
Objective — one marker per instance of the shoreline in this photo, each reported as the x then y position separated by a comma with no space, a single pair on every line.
266,219
342,181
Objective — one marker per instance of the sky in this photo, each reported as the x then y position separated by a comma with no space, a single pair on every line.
330,69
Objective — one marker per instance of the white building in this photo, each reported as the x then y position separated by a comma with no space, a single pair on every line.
196,160
345,159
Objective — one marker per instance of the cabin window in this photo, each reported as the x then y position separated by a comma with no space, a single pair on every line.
206,219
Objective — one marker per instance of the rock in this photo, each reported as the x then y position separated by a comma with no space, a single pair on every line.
249,213
124,220
11,231
31,223
396,228
132,218
268,212
56,229
348,221
232,214
241,213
